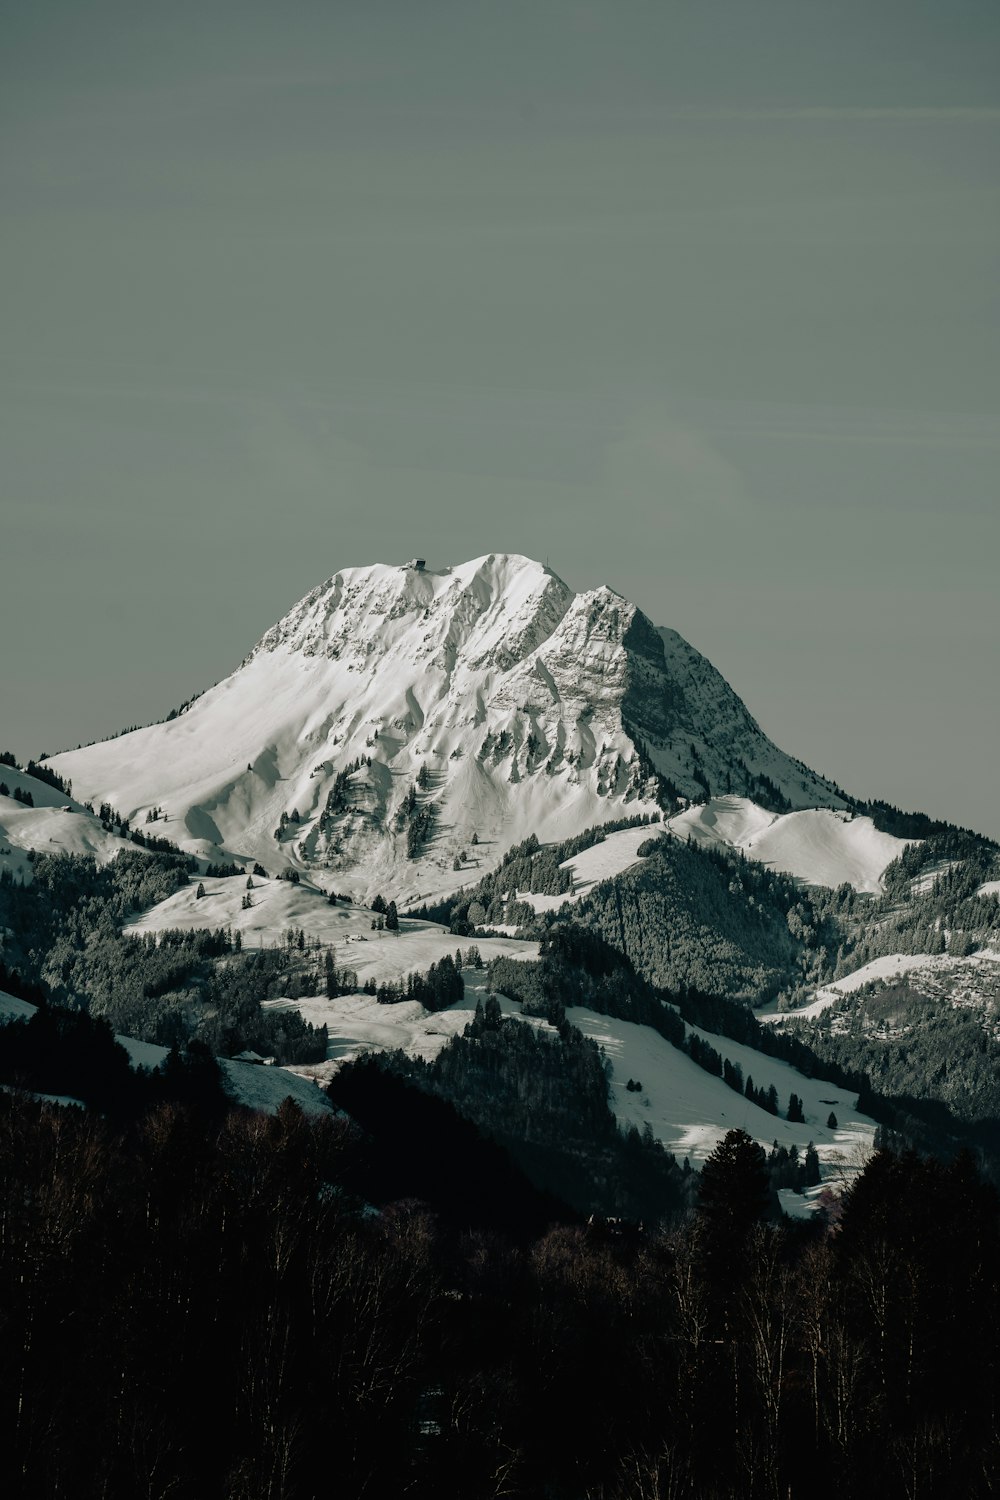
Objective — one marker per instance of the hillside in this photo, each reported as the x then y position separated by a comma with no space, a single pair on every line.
819,846
51,822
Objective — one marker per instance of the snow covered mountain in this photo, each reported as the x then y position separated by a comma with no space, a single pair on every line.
397,713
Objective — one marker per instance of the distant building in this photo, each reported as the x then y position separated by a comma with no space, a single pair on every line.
418,563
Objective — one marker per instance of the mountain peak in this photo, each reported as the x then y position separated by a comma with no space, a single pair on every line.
399,708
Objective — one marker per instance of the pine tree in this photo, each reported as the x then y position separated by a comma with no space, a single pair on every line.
391,918
812,1166
732,1197
200,891
831,1123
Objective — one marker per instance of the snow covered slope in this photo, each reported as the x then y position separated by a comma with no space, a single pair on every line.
279,905
686,1108
56,824
256,1087
690,1110
524,707
13,1009
819,846
614,855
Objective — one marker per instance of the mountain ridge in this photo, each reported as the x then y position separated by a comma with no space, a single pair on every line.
396,711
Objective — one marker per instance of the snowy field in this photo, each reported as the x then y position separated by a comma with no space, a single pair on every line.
690,1110
818,846
277,905
687,1109
616,854
280,904
252,1084
357,1024
55,825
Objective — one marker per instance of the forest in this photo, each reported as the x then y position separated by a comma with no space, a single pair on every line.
65,940
469,1281
713,920
241,1306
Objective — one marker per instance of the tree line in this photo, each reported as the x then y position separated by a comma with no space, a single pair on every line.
248,1306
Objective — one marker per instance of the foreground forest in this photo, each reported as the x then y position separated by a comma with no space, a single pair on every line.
406,1297
204,1302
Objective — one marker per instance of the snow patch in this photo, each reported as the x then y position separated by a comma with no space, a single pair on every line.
819,846
13,1009
617,853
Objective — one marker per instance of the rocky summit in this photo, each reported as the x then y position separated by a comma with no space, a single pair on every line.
396,713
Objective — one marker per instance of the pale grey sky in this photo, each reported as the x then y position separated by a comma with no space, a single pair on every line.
699,300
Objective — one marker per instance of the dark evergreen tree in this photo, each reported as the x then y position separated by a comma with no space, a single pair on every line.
732,1194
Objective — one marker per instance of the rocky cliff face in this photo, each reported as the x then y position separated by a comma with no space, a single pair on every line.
395,712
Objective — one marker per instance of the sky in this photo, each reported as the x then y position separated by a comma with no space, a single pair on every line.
698,300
